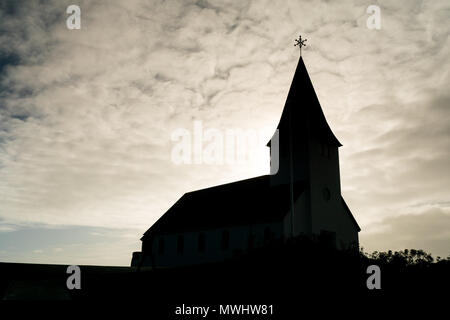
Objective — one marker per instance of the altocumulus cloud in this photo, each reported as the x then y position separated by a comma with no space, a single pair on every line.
86,115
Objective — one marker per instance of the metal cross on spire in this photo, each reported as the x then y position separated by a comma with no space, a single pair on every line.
300,43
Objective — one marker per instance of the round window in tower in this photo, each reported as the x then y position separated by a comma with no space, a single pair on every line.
326,194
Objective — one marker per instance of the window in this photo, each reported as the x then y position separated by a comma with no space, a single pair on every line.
225,240
161,246
180,244
201,242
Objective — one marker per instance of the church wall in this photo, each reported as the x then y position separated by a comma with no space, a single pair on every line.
302,219
346,231
325,190
326,205
238,243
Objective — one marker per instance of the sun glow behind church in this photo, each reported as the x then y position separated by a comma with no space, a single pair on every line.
86,115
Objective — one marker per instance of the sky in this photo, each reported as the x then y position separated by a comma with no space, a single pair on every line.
88,116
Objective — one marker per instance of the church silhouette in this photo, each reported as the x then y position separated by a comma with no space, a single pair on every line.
301,197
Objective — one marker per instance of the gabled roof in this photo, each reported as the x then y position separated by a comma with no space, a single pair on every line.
244,202
303,107
347,209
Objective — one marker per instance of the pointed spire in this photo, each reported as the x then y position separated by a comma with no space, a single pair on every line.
303,107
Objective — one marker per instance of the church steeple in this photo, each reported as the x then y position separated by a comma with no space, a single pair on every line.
303,107
303,129
308,155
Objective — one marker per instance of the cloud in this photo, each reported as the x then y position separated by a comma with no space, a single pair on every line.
86,115
6,228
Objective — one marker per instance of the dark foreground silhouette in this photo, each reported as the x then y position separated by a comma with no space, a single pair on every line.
283,275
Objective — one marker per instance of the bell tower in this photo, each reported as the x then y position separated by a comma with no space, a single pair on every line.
308,156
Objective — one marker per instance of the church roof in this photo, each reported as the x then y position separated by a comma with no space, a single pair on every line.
347,210
303,106
244,202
